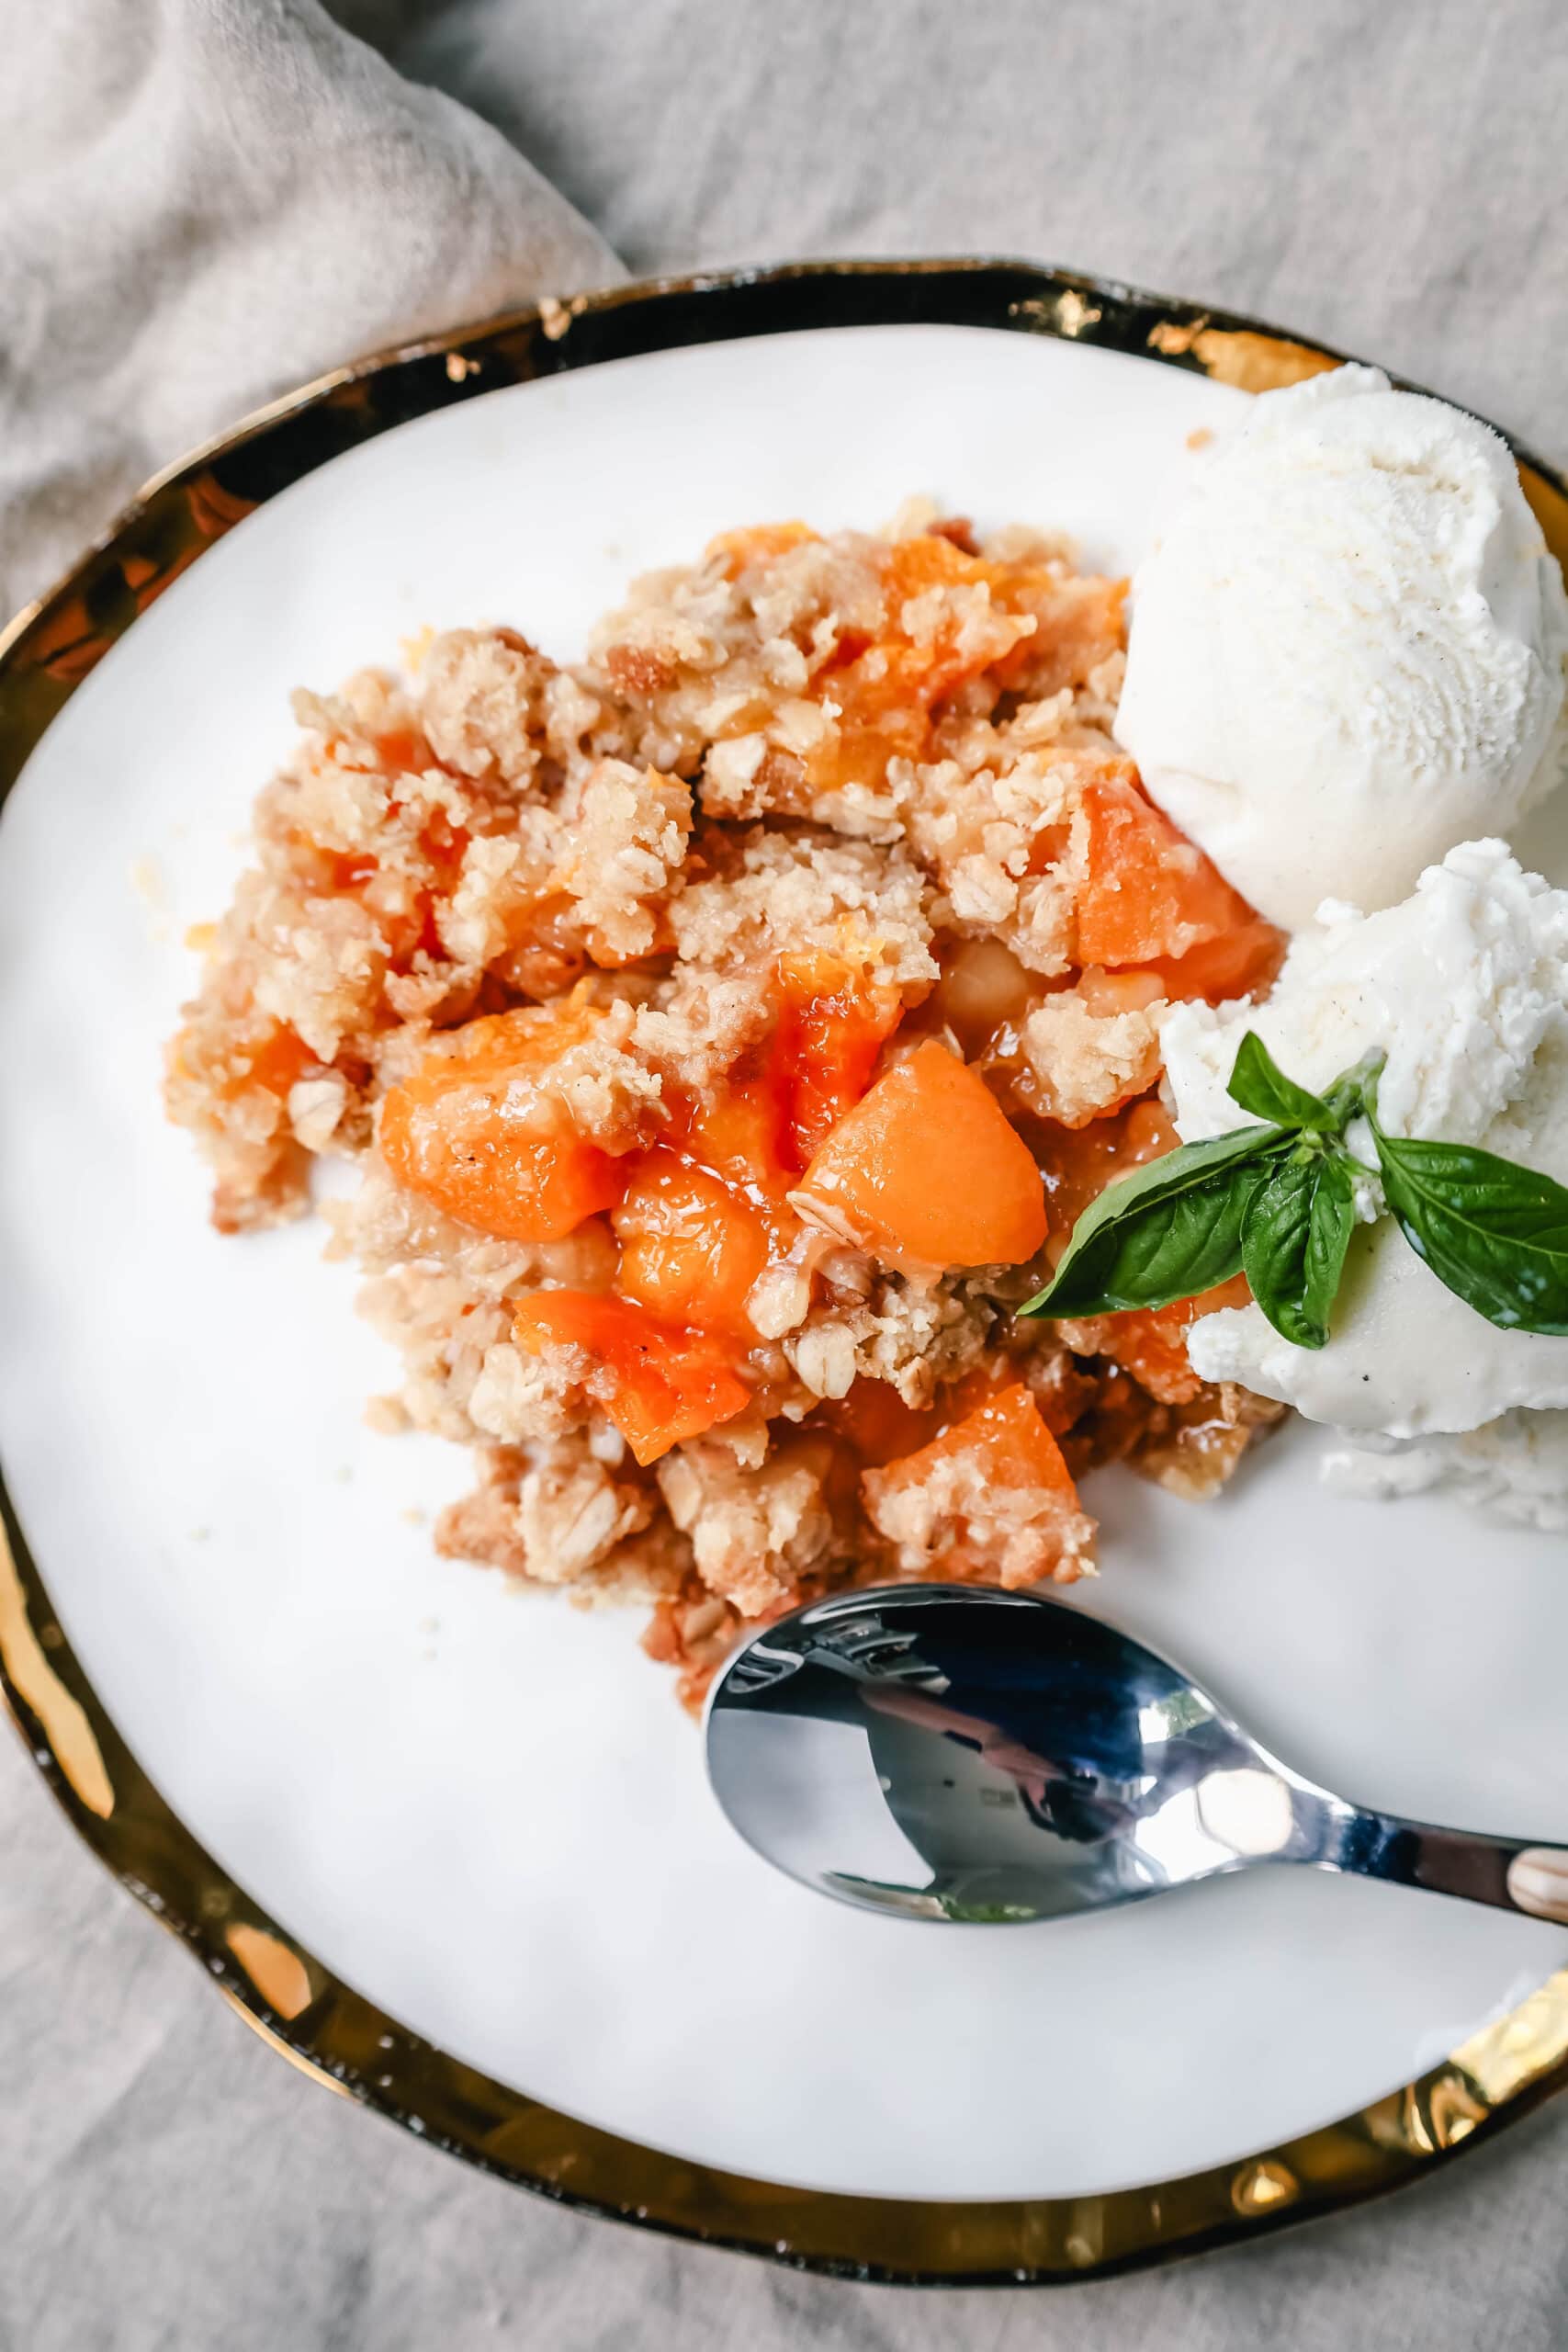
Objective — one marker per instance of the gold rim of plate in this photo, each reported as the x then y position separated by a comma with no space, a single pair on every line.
319,2024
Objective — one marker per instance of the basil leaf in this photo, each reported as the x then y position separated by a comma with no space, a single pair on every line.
1297,1230
1260,1086
1496,1234
1171,1229
1333,1223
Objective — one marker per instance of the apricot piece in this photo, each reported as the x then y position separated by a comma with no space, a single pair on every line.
1242,962
478,1131
276,1059
871,1421
737,1132
925,1173
657,1382
1007,1439
990,1499
1148,892
887,682
833,1021
691,1249
885,687
755,543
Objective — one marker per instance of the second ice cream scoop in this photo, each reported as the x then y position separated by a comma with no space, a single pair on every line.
1463,988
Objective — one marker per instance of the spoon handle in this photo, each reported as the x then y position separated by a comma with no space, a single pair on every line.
1500,1871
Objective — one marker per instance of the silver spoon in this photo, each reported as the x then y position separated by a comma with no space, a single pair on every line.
951,1752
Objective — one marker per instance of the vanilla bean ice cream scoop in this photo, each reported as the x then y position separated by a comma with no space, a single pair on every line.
1347,649
1464,987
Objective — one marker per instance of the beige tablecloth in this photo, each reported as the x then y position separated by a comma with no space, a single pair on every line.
1388,174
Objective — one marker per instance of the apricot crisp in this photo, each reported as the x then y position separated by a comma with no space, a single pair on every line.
728,1028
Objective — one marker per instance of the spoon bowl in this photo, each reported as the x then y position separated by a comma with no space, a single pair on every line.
960,1754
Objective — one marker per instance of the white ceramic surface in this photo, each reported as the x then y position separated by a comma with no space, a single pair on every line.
481,1807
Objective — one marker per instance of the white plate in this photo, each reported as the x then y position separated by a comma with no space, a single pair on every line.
480,1807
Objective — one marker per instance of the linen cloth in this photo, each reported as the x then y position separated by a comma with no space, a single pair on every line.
206,200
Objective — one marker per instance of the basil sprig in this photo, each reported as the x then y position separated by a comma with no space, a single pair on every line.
1277,1202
